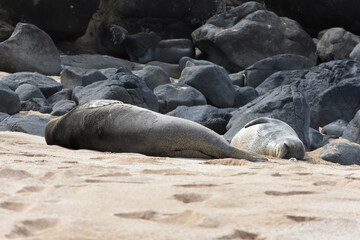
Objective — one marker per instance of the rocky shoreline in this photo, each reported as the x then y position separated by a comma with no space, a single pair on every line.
218,63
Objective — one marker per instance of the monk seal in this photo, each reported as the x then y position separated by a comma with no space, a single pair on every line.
112,126
271,137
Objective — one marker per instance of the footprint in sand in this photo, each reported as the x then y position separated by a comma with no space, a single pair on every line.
277,193
228,161
28,228
31,189
303,218
14,206
188,218
191,197
12,173
240,234
196,185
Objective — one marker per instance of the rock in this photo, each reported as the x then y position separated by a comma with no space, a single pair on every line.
352,132
336,44
72,77
172,70
5,30
32,124
184,62
172,50
95,61
355,53
285,103
339,101
172,95
140,47
313,84
36,104
153,76
28,91
3,116
235,3
65,94
335,129
124,86
317,140
62,107
246,34
342,153
109,72
244,95
29,49
238,78
255,74
315,16
62,20
48,86
206,115
111,39
212,81
9,100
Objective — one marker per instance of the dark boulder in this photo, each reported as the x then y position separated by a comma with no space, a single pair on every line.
172,50
246,34
255,74
317,140
62,107
27,91
111,39
335,129
65,94
29,49
9,100
124,86
172,95
212,81
32,124
285,103
352,132
47,85
206,115
244,95
3,116
320,84
342,153
36,104
336,44
72,77
153,76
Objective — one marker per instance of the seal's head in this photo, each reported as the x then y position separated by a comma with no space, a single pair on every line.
290,148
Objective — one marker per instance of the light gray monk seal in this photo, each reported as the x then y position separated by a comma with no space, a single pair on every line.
113,126
271,137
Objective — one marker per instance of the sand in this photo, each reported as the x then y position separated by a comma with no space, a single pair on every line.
49,192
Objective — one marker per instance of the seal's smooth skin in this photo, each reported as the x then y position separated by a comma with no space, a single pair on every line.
271,137
113,126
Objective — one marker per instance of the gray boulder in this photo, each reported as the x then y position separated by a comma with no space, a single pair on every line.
342,153
352,132
244,95
212,81
185,61
36,104
62,107
335,129
153,76
355,53
29,49
336,44
248,33
285,103
3,116
64,94
32,124
9,100
48,86
206,115
255,74
72,77
27,91
317,140
172,95
316,85
95,61
238,78
172,69
124,86
172,50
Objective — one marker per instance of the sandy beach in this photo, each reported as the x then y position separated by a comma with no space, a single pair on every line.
49,192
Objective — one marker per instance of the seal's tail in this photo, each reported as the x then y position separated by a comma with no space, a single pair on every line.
250,156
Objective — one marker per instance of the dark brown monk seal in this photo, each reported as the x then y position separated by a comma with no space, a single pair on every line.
113,126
